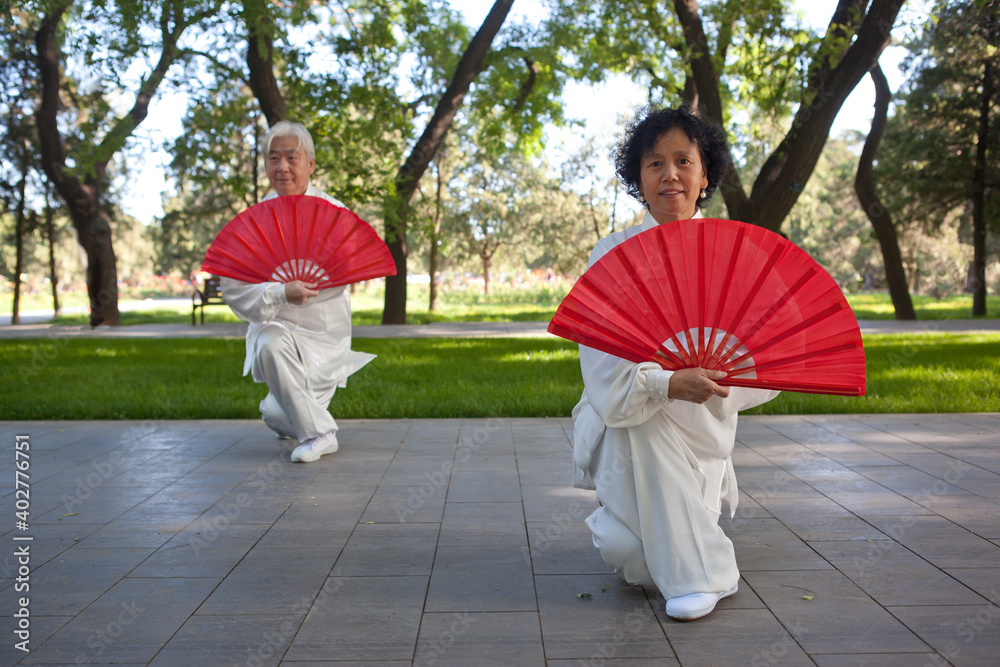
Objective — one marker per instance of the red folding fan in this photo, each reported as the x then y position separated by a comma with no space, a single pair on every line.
719,294
299,238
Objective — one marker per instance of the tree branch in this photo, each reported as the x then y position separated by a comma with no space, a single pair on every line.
260,60
529,83
705,82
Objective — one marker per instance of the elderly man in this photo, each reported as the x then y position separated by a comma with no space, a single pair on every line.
299,339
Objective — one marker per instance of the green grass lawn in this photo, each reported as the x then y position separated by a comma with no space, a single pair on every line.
538,305
509,377
878,306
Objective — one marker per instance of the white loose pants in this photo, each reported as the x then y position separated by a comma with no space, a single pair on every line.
655,525
294,408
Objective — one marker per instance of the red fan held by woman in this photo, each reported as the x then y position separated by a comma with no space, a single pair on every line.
723,295
299,238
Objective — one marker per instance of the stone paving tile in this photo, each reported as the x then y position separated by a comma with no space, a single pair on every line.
347,663
482,524
362,618
963,635
499,638
929,659
815,518
460,542
286,578
472,579
194,552
612,662
564,547
398,504
839,617
983,580
892,575
765,544
612,620
67,584
401,549
866,498
130,623
939,541
734,637
484,487
544,471
42,627
547,504
230,639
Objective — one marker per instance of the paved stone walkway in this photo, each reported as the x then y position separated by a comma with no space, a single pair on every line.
862,540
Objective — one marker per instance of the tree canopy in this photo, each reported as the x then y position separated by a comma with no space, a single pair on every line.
383,84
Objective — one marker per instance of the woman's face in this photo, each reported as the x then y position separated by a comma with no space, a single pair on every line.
672,176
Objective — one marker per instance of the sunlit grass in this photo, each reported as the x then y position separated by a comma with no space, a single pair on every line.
915,373
83,378
878,306
506,304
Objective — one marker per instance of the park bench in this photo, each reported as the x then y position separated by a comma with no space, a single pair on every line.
209,295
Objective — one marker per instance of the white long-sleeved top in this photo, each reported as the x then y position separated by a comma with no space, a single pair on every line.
621,397
321,326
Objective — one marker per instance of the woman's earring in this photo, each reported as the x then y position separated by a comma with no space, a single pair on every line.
703,194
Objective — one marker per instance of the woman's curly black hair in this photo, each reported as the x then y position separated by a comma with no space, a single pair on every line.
649,125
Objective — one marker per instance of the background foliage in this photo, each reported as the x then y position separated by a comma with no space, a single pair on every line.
363,75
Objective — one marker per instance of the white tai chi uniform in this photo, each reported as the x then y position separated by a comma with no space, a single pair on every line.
302,352
662,468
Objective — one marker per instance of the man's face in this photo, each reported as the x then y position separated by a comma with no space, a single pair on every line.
288,166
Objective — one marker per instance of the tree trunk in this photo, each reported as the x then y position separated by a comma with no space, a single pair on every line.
486,272
435,234
979,183
398,203
255,169
50,237
433,269
83,197
864,185
833,77
20,229
260,60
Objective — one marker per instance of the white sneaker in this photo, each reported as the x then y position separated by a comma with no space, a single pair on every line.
695,605
311,450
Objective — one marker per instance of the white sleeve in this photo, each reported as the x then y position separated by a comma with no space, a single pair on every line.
252,302
739,399
623,393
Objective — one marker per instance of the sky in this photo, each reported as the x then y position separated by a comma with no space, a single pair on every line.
602,105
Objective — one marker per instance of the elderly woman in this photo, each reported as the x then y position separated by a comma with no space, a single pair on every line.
657,444
299,339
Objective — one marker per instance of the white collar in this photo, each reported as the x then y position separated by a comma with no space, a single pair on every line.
648,221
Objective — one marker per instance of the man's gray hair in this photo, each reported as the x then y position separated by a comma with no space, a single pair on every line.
284,128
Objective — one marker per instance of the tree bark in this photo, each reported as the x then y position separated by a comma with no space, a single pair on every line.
398,203
83,196
529,83
881,221
20,230
435,234
979,181
50,237
260,61
702,89
832,78
485,257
